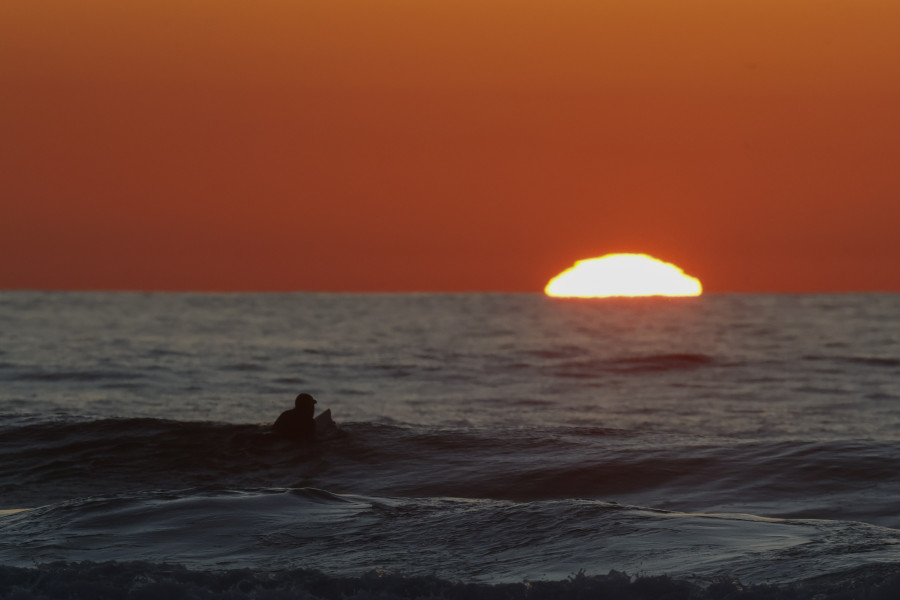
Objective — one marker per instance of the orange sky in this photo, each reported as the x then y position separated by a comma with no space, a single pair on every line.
402,145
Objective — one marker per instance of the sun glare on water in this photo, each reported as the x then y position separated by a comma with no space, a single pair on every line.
623,275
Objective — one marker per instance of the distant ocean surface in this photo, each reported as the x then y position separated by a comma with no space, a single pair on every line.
498,446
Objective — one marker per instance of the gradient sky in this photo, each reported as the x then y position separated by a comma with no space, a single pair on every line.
409,145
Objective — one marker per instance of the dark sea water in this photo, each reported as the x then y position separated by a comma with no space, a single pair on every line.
497,446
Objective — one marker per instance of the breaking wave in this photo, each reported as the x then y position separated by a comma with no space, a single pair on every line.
143,580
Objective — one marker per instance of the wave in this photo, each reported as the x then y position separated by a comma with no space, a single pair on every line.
115,580
634,365
44,462
869,361
82,376
277,530
85,458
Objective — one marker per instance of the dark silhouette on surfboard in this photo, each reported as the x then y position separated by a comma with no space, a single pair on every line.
299,425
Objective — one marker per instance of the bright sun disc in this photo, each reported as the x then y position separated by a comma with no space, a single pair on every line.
623,275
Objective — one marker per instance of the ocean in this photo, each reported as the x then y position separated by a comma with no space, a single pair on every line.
497,446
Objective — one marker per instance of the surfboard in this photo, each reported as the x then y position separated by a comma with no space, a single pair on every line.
326,428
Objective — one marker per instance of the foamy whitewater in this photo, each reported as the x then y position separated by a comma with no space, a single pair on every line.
498,446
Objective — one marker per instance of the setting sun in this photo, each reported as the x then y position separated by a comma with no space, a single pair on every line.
623,275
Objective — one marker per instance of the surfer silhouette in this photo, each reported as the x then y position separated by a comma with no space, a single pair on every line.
298,423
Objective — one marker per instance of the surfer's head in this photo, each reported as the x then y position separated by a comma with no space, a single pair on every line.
304,401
